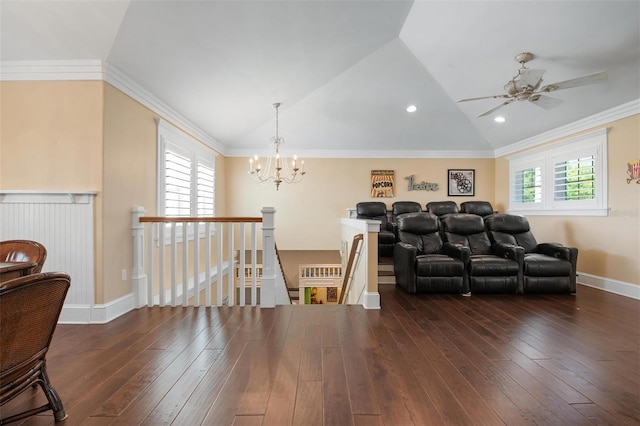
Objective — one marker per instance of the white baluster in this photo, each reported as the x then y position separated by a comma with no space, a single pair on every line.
267,284
138,278
185,264
219,268
174,262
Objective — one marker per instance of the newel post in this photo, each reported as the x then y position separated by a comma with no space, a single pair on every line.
138,277
268,283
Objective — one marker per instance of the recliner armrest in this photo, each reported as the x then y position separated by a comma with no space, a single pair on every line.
463,253
513,252
555,250
404,266
393,227
508,251
457,251
562,251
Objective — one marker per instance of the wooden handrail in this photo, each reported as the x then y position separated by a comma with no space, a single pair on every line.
284,277
166,219
347,278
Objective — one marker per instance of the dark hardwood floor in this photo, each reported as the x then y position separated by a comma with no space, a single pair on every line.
426,360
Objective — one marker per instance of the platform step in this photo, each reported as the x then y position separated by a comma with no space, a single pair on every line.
386,279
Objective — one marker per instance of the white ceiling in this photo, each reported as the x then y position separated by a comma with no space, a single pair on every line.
345,70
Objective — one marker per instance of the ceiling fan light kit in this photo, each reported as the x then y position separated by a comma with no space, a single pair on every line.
525,86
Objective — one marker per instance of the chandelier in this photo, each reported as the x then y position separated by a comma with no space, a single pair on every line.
278,167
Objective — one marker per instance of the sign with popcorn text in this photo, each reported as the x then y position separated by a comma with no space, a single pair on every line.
382,184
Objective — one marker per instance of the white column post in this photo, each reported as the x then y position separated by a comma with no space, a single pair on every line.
138,277
267,285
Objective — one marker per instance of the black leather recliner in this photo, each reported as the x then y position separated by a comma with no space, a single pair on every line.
419,260
491,268
376,210
548,267
402,207
440,208
481,208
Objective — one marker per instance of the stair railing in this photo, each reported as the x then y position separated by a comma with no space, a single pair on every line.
203,273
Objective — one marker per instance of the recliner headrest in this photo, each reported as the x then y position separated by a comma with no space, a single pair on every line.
419,223
371,209
508,223
440,208
462,224
401,207
481,208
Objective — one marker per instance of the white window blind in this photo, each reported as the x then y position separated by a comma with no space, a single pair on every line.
186,174
178,184
567,178
574,179
205,190
527,186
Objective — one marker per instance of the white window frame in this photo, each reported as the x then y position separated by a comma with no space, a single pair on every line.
593,143
176,140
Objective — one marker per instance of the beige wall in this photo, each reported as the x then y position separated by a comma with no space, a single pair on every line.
51,139
86,135
51,135
129,180
608,246
130,156
308,213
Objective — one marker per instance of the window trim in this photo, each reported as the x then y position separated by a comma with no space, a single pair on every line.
592,143
181,142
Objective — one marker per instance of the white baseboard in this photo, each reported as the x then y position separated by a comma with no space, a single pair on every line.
96,314
371,300
612,286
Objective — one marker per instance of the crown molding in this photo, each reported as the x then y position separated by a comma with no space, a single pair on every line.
315,153
87,69
616,113
118,79
95,69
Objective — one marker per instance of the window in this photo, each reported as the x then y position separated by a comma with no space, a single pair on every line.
186,174
528,186
568,178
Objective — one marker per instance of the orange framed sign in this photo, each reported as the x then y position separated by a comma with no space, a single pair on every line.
383,184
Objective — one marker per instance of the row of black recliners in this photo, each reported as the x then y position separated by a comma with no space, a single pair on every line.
388,236
470,253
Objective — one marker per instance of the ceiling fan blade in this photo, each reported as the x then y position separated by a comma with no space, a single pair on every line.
546,102
483,97
530,77
575,82
496,108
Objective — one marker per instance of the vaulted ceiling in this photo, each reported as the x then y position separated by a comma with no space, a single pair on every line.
345,71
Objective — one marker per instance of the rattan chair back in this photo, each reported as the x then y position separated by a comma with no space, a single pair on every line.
30,307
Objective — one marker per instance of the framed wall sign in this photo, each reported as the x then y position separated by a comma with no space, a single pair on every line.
461,182
382,183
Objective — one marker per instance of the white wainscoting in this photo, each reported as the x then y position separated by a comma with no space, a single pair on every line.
63,222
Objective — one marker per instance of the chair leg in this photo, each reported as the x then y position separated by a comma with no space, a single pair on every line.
52,396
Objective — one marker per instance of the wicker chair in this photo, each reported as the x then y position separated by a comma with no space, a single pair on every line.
23,251
29,310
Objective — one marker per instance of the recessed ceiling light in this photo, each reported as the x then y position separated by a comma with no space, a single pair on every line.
499,119
412,108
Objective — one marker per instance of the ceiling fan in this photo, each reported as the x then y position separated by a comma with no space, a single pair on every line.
525,86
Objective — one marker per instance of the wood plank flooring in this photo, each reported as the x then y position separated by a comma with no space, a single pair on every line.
420,360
